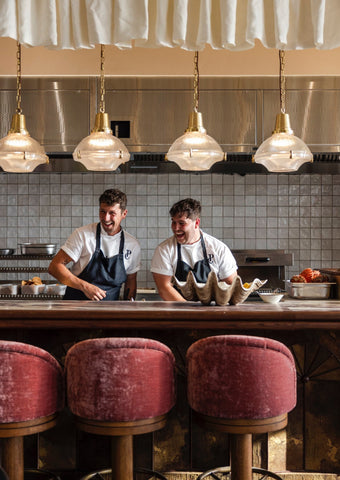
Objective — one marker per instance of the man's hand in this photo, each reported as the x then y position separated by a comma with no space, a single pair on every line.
93,292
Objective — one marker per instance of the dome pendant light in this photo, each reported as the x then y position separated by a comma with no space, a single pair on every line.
101,151
19,152
195,150
283,152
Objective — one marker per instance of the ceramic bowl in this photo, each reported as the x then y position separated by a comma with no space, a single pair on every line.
270,297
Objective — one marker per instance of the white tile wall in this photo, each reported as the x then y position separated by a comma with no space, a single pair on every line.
298,213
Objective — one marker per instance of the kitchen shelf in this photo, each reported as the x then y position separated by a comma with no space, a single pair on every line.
41,296
35,269
26,257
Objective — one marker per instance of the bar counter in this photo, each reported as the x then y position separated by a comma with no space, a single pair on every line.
289,314
310,328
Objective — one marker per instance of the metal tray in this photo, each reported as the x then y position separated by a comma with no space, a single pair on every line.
38,248
309,291
7,251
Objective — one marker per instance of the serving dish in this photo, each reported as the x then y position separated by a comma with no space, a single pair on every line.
38,248
309,291
219,292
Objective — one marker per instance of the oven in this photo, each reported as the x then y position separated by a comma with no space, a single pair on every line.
267,265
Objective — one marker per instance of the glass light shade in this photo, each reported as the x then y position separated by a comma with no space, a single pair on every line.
101,151
283,151
19,152
195,150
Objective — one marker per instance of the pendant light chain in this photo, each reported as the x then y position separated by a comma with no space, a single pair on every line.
282,82
102,80
196,82
18,95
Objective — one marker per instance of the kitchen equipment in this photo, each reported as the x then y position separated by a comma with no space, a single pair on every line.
309,291
7,251
270,297
265,264
38,248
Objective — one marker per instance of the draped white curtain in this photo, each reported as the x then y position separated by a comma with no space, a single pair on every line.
187,24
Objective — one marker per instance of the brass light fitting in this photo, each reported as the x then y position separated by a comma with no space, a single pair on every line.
283,151
101,150
195,150
19,152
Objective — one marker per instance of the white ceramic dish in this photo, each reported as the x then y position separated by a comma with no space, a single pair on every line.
8,289
55,289
270,297
32,289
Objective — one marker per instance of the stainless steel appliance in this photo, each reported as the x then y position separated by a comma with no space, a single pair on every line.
267,265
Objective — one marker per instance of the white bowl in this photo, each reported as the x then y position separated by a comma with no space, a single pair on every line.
55,289
271,297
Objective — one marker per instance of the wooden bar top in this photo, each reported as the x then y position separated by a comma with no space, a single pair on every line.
289,314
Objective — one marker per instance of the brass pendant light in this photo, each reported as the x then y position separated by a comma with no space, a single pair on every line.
19,152
283,151
195,150
101,151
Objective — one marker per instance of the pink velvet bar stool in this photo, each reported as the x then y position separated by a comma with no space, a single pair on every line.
241,385
120,387
31,395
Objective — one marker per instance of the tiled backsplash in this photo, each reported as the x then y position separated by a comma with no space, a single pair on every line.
297,213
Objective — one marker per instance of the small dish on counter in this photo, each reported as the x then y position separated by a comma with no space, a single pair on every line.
271,297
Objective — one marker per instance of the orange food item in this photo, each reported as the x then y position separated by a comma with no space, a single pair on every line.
309,274
298,279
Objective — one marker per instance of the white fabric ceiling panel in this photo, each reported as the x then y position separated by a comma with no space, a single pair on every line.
187,24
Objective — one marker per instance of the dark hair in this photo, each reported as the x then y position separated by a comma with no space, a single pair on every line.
113,196
190,207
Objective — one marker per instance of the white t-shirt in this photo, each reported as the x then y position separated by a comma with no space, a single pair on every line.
81,244
221,260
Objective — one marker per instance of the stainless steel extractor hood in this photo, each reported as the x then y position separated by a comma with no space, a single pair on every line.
149,113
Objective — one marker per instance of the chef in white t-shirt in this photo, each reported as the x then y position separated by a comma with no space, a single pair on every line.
104,256
189,249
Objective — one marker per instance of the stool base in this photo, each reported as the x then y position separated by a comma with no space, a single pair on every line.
121,434
225,471
12,435
106,474
240,433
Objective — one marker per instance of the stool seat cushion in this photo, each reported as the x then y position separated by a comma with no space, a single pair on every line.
120,379
31,383
241,377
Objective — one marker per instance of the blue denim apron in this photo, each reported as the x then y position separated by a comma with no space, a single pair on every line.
107,273
200,270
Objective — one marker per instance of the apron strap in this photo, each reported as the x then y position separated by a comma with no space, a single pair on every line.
98,238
